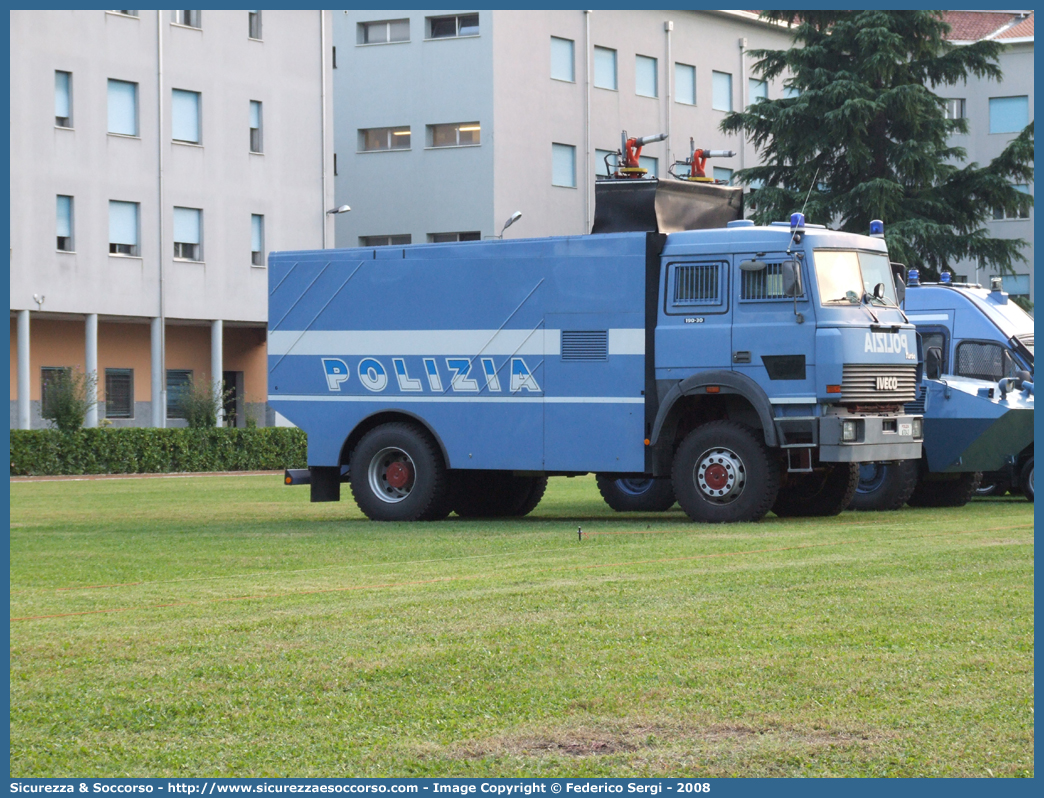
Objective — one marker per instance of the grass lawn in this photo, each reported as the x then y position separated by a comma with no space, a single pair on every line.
225,626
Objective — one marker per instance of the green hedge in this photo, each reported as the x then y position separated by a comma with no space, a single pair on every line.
152,451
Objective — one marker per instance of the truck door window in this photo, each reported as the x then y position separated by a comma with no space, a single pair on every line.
696,286
767,283
984,361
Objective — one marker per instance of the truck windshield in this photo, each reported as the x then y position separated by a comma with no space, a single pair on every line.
845,276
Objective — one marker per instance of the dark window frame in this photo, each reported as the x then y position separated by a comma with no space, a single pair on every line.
127,410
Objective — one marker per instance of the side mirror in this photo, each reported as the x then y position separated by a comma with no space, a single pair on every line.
933,362
899,275
791,272
753,266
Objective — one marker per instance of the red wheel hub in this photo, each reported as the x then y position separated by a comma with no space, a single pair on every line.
716,476
398,474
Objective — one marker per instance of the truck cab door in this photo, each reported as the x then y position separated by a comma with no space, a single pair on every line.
771,344
694,325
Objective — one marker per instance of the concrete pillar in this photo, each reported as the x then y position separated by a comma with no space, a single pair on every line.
159,406
91,367
24,416
217,362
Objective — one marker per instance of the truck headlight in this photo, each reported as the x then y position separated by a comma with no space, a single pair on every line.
849,430
918,427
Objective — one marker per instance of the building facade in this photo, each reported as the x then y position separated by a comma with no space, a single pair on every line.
448,122
997,111
156,158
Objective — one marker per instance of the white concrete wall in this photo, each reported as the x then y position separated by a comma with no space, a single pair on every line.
283,71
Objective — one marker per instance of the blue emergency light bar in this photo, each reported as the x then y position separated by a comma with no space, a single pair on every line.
913,277
877,228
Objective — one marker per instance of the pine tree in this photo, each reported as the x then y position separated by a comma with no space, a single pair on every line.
866,137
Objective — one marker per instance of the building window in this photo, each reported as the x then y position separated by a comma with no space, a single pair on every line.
255,126
649,164
63,99
464,134
65,223
954,109
758,90
604,68
119,393
790,92
723,174
999,214
125,13
188,230
1009,114
453,27
383,32
191,19
721,91
123,107
50,378
257,239
385,241
685,84
563,62
179,383
605,163
1017,284
254,24
645,77
563,165
123,228
447,238
384,138
184,116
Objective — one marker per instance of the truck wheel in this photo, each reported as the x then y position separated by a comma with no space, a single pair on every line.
992,488
955,491
1026,480
397,474
724,474
884,486
496,494
636,495
824,492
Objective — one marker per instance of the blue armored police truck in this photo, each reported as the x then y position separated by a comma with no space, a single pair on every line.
976,399
753,367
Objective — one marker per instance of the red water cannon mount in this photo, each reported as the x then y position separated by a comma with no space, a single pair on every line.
697,162
629,154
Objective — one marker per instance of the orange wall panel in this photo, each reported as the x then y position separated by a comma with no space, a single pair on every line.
126,346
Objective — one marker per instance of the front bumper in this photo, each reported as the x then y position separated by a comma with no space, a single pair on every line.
879,438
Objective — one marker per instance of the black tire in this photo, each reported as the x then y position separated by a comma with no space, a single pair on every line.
884,486
724,474
1026,479
397,474
825,492
496,494
636,495
950,490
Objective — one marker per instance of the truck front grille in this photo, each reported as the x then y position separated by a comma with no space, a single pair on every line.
891,384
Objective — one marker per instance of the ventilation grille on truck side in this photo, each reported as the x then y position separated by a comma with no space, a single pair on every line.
886,384
585,344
